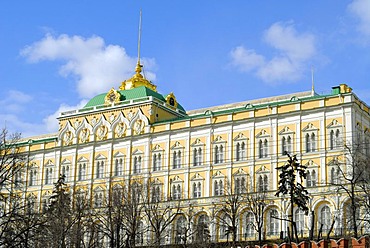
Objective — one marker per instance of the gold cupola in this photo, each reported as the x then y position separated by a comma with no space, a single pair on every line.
137,80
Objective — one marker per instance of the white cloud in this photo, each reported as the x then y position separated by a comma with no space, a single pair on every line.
293,51
246,60
51,123
14,101
96,66
361,9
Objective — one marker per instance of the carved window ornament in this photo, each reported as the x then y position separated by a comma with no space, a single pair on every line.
113,96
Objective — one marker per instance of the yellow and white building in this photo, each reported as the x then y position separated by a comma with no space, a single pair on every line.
192,155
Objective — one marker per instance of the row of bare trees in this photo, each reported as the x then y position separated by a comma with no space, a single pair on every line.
130,213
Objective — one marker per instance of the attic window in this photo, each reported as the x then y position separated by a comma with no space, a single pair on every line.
172,101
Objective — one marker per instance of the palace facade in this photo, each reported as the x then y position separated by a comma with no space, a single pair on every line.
198,156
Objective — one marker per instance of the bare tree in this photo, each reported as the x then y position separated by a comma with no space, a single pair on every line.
229,212
160,215
121,214
351,176
18,224
257,203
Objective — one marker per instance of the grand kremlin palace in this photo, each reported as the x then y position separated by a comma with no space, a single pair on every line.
197,157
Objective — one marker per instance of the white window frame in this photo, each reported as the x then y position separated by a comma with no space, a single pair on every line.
299,218
335,131
98,198
263,184
249,226
157,158
156,191
286,137
273,224
100,164
219,150
197,155
49,175
32,176
197,186
177,153
119,164
310,136
325,218
176,188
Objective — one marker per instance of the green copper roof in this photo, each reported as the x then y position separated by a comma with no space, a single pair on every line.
126,95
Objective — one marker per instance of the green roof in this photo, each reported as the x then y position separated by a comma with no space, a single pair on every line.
127,95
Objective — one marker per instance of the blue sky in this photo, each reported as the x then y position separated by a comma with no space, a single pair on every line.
55,55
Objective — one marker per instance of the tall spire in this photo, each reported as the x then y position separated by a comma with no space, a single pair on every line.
138,65
138,79
312,82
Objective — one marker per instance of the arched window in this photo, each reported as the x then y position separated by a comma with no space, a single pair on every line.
284,146
311,178
118,168
197,156
98,198
32,176
157,162
219,154
99,169
176,159
265,147
237,183
299,220
313,142
48,175
273,223
180,230
82,171
139,238
218,187
249,225
197,189
65,172
202,231
262,183
308,143
325,219
137,164
240,151
176,191
260,149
